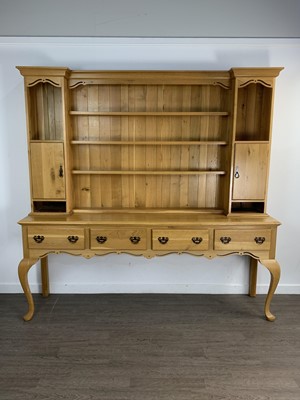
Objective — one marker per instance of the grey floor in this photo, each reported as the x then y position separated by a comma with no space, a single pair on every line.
142,347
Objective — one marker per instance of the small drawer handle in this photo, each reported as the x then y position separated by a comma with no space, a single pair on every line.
38,238
197,240
225,239
73,239
237,174
61,172
135,239
259,239
163,240
101,239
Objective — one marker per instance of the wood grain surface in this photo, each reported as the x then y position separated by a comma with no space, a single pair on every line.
132,347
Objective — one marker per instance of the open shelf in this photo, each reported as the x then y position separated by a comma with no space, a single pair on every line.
45,115
252,142
151,142
247,206
120,172
150,113
46,141
49,206
254,107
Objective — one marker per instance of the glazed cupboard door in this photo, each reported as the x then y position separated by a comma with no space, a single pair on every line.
250,171
47,171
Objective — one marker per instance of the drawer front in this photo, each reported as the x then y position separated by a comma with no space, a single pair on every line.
180,240
55,238
234,239
118,239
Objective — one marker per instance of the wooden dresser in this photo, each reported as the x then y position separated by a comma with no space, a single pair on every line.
149,163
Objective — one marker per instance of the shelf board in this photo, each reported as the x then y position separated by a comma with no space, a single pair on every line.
248,201
150,113
153,211
50,199
46,141
131,172
152,142
252,141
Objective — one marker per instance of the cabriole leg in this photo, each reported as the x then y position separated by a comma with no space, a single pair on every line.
24,267
45,276
274,269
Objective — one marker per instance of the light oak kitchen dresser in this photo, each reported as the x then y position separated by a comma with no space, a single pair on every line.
149,163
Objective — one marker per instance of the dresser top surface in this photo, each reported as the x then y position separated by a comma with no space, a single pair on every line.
157,218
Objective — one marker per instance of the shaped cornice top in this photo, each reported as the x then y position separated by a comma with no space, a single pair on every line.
154,77
256,72
245,76
44,71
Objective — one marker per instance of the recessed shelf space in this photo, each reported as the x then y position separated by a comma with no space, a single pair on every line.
148,159
45,114
244,207
254,105
149,100
49,206
132,191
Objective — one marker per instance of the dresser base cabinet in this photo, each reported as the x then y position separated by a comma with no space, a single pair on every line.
149,163
157,235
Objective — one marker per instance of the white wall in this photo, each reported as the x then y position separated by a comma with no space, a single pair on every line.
152,18
123,273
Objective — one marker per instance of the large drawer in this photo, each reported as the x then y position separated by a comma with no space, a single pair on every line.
55,238
241,239
118,239
180,239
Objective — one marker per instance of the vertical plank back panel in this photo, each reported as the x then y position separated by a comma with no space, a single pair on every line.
148,191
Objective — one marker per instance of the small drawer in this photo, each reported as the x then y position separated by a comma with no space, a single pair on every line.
242,240
118,239
55,238
179,239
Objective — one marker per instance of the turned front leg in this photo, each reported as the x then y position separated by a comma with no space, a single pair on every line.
274,269
23,269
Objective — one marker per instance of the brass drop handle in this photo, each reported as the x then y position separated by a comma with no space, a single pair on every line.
163,240
236,174
225,239
259,239
101,239
197,240
73,239
60,171
38,238
135,239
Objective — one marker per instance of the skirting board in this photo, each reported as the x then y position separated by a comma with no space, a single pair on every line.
92,288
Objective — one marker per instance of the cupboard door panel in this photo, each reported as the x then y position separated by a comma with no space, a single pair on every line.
250,171
47,170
